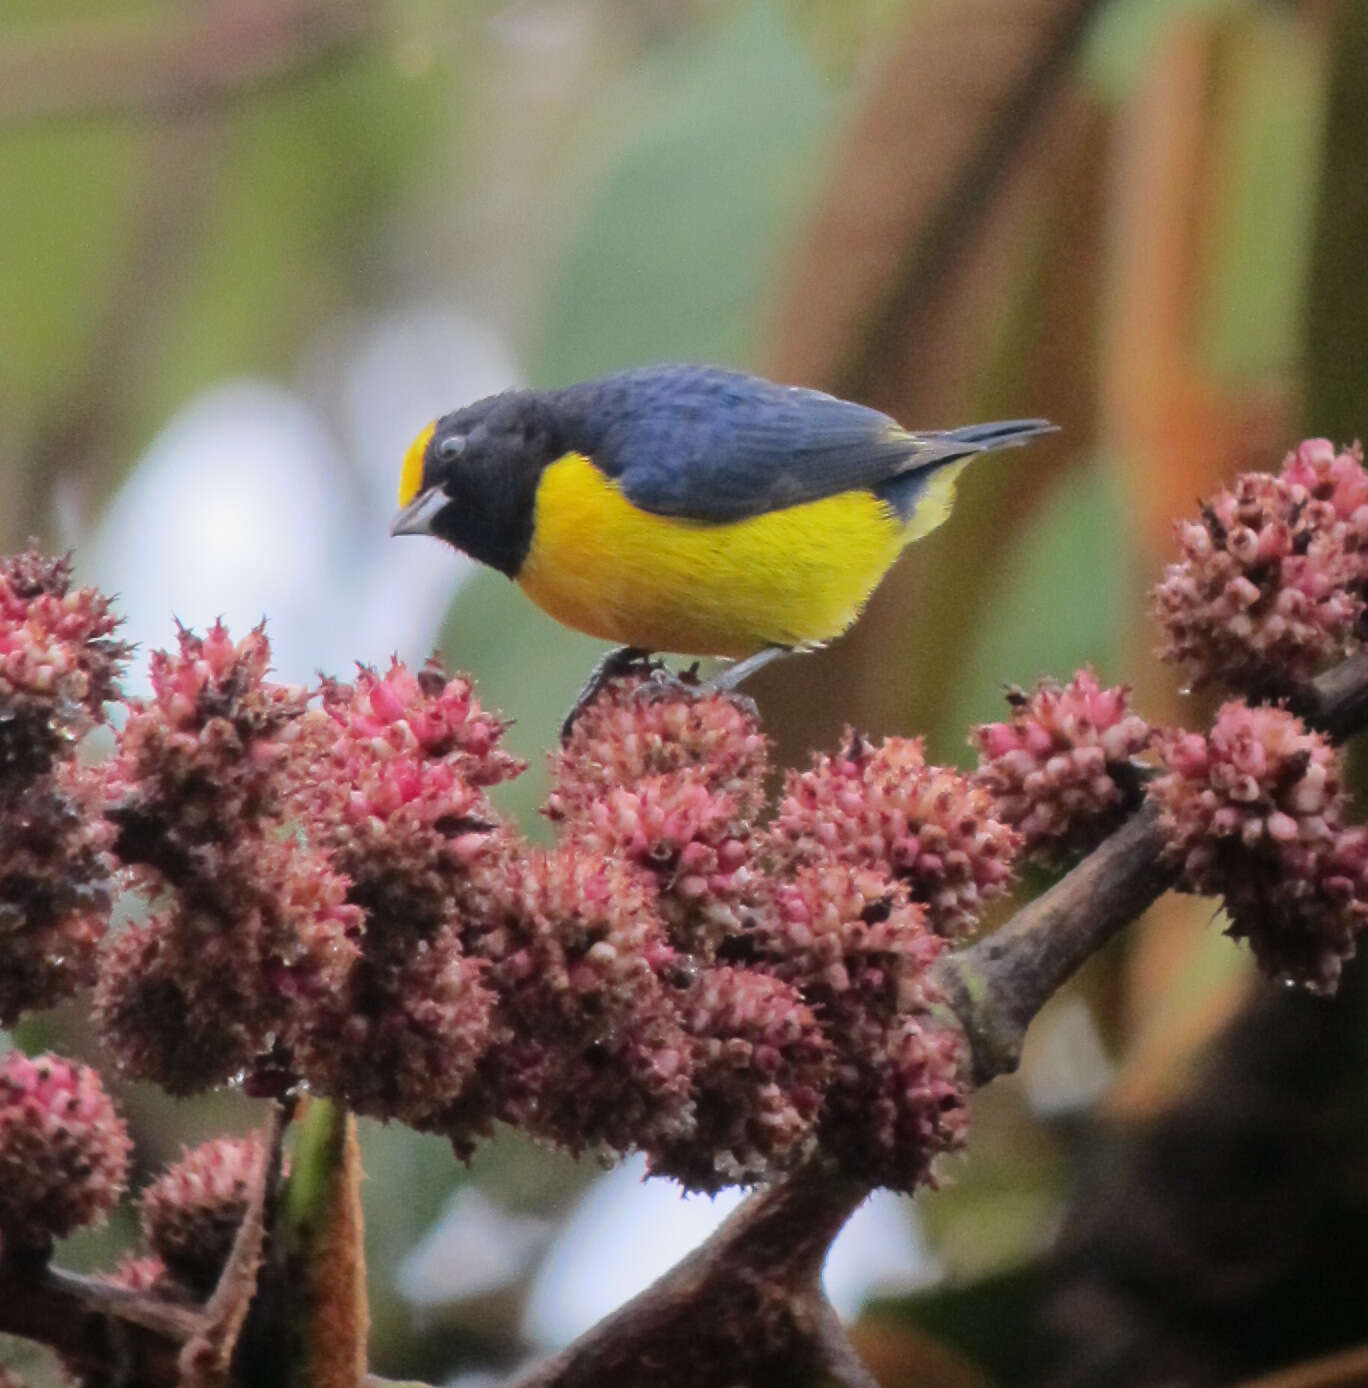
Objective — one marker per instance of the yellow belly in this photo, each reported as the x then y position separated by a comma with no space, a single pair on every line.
792,577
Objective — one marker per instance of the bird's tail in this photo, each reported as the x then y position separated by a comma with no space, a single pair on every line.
983,438
923,491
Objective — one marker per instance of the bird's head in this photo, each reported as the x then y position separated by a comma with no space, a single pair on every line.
470,478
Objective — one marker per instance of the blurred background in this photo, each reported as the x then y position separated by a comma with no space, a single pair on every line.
249,247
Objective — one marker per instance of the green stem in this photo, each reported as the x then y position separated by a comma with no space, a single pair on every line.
321,1239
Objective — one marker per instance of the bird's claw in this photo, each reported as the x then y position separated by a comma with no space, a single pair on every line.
625,660
660,682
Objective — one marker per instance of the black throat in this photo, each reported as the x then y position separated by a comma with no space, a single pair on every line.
490,517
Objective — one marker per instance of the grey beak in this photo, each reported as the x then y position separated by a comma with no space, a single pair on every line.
416,518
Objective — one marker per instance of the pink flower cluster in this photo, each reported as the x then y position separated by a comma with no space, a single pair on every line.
931,827
762,1072
1059,768
59,660
56,887
59,664
390,779
860,949
1334,477
1271,588
675,785
623,1027
190,1215
594,1056
244,919
329,896
388,782
63,1150
1272,580
1255,812
669,974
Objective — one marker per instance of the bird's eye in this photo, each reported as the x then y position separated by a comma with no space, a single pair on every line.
450,448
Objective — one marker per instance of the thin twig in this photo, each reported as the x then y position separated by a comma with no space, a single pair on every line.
1336,701
89,1321
207,1357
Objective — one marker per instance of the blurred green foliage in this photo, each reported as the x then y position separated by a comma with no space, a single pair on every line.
70,191
733,119
307,176
1267,169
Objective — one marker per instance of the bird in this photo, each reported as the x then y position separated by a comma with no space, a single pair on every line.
687,508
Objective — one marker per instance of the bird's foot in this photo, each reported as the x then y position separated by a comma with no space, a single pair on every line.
625,660
661,682
726,681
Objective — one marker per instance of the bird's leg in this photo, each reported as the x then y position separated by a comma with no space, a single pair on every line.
726,680
625,660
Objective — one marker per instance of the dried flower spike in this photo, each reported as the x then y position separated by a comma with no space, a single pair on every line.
1057,768
194,995
760,1067
56,888
640,727
59,664
860,953
595,1057
887,1120
401,1036
248,919
199,762
1336,477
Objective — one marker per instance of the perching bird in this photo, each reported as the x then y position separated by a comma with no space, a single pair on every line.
687,508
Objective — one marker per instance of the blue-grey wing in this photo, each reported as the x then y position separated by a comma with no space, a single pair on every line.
706,444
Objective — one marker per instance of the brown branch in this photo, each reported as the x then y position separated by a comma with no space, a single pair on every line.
1346,1368
92,1324
206,55
746,1307
997,986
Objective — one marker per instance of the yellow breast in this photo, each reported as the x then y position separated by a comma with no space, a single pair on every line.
791,577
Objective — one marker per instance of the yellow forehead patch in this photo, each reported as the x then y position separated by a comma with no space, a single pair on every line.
411,474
